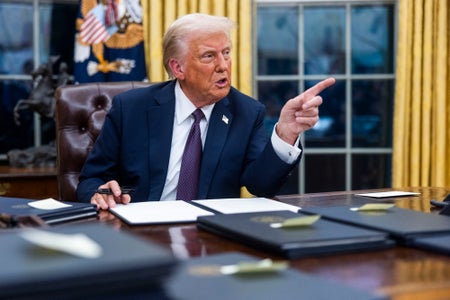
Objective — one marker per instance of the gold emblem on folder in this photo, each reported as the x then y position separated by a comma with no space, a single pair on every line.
268,219
20,206
205,270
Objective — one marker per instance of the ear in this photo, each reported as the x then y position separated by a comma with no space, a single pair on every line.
176,69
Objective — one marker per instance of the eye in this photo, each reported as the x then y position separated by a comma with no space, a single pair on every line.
227,53
207,57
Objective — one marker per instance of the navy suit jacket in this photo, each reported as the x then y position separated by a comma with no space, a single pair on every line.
134,147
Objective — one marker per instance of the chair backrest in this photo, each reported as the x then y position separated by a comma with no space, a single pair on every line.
79,116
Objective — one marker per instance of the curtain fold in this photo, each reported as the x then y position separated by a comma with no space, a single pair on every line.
158,15
422,95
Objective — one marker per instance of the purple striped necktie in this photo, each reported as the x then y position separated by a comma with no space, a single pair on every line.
190,162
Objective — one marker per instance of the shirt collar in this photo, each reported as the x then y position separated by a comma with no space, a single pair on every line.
184,107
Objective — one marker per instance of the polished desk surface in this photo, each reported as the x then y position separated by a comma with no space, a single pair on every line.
400,272
31,182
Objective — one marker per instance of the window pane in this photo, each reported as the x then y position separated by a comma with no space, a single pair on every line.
372,113
371,171
324,173
45,17
330,129
324,38
372,39
274,94
277,40
16,38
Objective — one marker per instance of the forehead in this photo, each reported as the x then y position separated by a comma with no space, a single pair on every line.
209,41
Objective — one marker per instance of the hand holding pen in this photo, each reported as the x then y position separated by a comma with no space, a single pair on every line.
110,193
107,191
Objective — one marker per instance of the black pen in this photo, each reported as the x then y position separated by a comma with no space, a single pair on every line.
440,204
106,191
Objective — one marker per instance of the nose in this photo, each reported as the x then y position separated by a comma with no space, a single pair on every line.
222,63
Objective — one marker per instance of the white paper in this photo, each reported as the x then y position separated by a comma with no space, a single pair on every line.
388,194
246,205
158,212
77,244
48,204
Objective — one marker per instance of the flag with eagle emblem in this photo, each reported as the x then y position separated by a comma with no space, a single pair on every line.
109,41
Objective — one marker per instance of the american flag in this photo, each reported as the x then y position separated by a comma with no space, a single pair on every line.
93,29
121,59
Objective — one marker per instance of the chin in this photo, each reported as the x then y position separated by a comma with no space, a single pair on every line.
225,89
223,95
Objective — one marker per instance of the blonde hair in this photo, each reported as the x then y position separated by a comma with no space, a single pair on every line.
176,39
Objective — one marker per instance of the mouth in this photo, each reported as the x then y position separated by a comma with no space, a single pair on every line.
222,82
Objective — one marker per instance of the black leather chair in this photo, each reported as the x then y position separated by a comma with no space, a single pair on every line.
79,116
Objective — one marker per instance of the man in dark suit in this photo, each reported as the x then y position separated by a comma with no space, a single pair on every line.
141,143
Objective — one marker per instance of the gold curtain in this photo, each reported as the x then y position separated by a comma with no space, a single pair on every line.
421,146
159,14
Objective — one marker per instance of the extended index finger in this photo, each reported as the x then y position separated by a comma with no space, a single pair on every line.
319,87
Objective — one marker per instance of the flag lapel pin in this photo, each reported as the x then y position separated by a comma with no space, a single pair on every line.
225,119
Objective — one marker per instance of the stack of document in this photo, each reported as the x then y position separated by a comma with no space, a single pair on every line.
401,224
209,278
244,205
437,243
160,212
50,211
293,235
80,261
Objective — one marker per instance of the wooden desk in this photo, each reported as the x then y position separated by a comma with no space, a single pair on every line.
401,273
32,183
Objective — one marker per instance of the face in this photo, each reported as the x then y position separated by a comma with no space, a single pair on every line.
205,71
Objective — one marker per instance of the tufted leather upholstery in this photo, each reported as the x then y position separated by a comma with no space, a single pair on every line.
79,115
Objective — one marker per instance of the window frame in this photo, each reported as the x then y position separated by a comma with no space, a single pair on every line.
348,151
36,38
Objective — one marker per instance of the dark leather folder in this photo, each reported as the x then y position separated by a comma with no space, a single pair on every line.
18,207
128,264
438,243
321,238
402,224
199,278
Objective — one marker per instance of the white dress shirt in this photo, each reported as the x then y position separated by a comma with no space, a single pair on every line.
182,124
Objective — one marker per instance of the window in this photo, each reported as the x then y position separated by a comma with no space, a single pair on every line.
302,42
34,33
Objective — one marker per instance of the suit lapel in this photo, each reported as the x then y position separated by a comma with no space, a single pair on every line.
160,127
219,125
